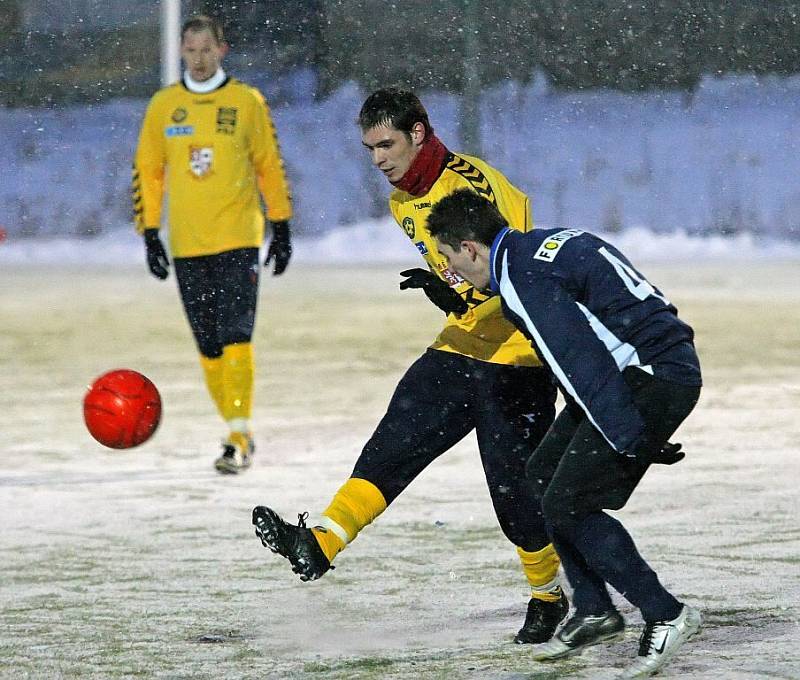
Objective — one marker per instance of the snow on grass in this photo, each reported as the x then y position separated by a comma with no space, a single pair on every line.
144,563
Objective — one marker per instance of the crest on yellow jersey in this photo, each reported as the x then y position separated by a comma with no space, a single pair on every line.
179,115
201,160
408,227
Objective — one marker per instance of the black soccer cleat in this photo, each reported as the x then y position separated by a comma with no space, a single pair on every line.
542,620
581,632
296,543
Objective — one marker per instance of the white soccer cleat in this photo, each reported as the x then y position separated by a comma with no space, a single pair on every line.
237,454
660,642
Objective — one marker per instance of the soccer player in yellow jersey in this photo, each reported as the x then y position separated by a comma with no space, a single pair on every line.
479,374
210,143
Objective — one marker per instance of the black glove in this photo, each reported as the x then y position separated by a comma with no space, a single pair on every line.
280,247
668,454
437,290
156,255
648,451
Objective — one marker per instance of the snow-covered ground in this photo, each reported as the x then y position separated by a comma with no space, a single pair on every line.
142,563
723,161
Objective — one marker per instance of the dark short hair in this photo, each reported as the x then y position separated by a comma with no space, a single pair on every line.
395,108
201,22
465,216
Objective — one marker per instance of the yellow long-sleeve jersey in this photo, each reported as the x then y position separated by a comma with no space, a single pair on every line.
482,332
212,153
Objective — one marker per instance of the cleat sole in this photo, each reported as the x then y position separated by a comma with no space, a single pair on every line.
267,524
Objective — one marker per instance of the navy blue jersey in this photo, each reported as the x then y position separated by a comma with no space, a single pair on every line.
590,314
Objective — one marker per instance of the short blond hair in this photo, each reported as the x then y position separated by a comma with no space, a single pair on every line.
202,22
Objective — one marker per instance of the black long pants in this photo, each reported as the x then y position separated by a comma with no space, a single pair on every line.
576,474
219,295
439,401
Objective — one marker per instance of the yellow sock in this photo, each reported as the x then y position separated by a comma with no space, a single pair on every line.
212,369
356,504
238,369
541,569
330,543
241,439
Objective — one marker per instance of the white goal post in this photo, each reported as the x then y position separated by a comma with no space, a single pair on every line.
170,41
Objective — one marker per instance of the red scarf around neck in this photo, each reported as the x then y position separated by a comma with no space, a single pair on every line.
425,168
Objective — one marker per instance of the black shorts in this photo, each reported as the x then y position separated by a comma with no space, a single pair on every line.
444,396
576,471
219,294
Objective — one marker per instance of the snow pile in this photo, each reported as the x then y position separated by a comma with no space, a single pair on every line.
718,162
381,242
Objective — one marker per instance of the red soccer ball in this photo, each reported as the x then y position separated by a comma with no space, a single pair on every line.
122,409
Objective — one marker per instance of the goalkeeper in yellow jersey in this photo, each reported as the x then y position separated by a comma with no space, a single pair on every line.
479,374
210,143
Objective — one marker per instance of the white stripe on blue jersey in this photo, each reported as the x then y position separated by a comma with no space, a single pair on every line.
624,354
590,315
510,297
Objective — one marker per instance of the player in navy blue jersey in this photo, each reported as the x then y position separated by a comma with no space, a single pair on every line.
630,375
